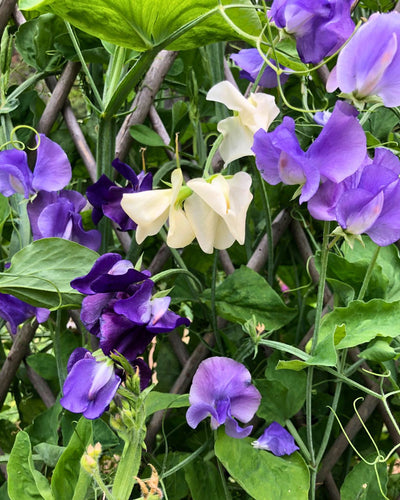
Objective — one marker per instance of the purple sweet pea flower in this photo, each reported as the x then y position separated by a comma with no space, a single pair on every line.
52,170
336,153
320,26
90,385
222,389
54,214
15,311
366,202
250,61
370,62
277,440
106,196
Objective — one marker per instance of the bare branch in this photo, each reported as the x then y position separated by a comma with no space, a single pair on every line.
6,9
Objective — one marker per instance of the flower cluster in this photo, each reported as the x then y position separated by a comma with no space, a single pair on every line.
212,210
53,211
16,311
118,309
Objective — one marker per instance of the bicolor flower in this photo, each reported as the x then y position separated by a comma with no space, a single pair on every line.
256,112
277,440
337,152
320,27
52,170
250,61
15,311
222,389
106,196
217,210
54,214
90,385
150,210
366,202
370,63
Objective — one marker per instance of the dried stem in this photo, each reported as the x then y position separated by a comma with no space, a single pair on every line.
6,9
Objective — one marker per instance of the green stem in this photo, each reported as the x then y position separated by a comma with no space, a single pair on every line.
293,431
208,167
102,486
213,309
114,73
61,369
368,274
270,239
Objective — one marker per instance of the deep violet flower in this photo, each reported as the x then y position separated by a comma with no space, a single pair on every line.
222,389
250,61
320,27
57,215
15,311
370,62
91,383
52,170
337,152
106,196
277,440
366,202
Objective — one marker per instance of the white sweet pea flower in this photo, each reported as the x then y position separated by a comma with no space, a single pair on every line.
217,210
258,111
151,209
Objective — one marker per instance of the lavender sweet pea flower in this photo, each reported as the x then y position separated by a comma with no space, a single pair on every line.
250,61
370,62
106,196
57,215
336,153
277,440
15,311
52,170
90,385
319,26
222,389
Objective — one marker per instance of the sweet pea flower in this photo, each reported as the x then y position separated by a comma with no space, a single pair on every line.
337,152
150,210
15,311
370,63
217,210
320,27
256,112
277,440
222,389
106,196
366,202
52,170
250,61
91,383
54,214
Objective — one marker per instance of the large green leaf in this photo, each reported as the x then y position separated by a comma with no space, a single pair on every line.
68,470
40,273
24,481
204,480
263,475
362,322
143,24
156,401
362,482
244,294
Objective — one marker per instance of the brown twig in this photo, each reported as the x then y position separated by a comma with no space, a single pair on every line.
41,386
6,10
17,353
144,99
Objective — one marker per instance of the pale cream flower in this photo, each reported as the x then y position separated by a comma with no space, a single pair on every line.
217,210
258,111
151,210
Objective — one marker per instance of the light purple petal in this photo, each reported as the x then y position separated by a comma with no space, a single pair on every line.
323,204
357,210
137,307
277,440
15,174
198,412
233,429
52,171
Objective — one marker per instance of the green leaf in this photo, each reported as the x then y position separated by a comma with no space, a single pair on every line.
204,481
157,401
142,25
40,273
103,434
379,350
245,293
24,481
44,365
49,453
283,392
362,322
45,426
68,469
145,135
362,482
260,473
